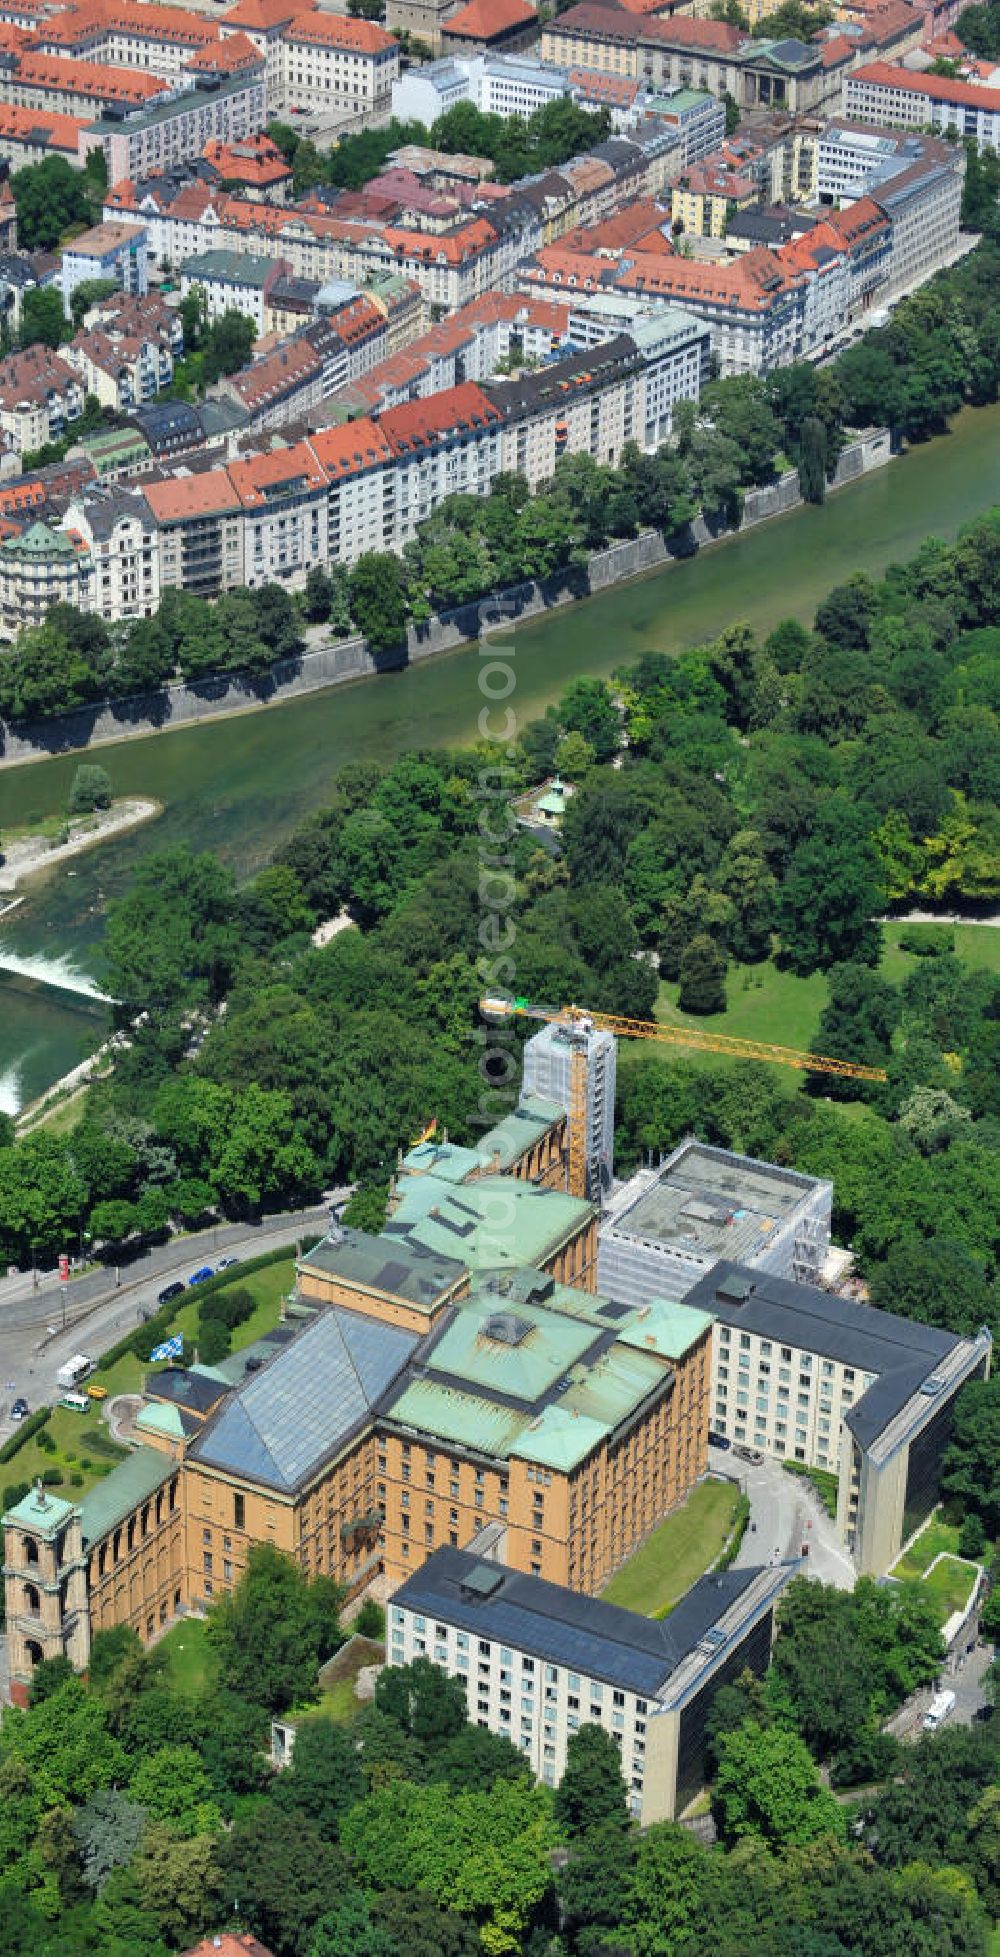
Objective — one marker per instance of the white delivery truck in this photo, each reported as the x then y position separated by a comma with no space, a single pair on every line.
76,1370
941,1707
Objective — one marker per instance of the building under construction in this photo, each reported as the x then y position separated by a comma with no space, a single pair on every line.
667,1226
549,1071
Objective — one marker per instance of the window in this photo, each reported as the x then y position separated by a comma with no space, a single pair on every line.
239,1511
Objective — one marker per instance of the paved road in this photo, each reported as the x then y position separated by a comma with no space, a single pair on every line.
33,1343
785,1513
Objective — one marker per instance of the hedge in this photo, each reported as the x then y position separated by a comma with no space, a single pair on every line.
27,1429
741,1522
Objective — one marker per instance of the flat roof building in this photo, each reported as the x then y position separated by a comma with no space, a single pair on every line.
538,1662
836,1384
665,1227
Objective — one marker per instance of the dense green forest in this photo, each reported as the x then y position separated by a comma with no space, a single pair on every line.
941,349
138,1810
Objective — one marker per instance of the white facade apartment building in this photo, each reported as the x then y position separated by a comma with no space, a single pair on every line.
284,496
358,462
332,63
589,404
176,130
232,281
924,205
120,575
886,95
159,40
40,397
451,445
121,370
538,1662
200,525
676,354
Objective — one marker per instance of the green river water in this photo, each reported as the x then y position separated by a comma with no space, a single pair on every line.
238,786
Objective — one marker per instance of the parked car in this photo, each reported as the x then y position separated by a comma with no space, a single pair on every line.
170,1291
226,1263
751,1454
19,1410
719,1440
201,1276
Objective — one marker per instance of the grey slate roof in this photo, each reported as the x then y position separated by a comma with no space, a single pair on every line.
186,1387
901,1352
564,1628
298,1410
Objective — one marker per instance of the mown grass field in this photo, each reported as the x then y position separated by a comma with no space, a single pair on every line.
75,1456
191,1662
681,1549
764,1003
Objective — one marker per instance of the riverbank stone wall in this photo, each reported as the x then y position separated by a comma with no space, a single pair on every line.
185,705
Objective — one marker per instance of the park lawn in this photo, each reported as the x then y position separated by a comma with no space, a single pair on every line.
684,1546
191,1661
269,1287
935,1537
975,944
75,1454
764,1003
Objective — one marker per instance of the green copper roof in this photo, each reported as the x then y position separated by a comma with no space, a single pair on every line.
41,1513
496,1224
560,1438
111,1500
518,1374
413,1271
444,1159
158,1418
514,1349
669,1330
483,1426
39,541
518,1130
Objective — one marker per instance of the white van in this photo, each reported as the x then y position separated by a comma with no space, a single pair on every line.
76,1402
941,1706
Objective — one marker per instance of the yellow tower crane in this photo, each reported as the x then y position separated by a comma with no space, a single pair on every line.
497,1009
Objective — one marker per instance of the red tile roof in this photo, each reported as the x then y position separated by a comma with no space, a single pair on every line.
420,424
488,20
613,23
453,247
229,56
171,25
88,78
936,87
61,132
350,449
253,478
594,84
259,16
334,31
208,494
255,160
